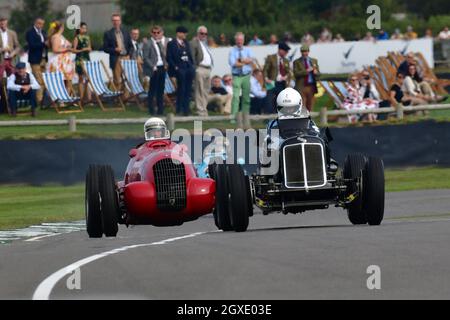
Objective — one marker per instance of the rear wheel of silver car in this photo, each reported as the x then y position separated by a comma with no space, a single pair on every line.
239,207
374,191
222,217
353,170
92,201
109,202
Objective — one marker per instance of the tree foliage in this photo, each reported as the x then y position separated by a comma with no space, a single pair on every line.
23,17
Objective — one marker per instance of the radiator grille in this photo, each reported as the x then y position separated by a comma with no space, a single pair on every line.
294,166
170,181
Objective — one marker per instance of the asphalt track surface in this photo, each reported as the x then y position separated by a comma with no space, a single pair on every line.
318,255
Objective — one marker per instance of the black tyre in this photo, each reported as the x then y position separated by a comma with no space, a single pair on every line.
249,196
353,169
374,191
221,211
212,175
92,202
109,202
239,195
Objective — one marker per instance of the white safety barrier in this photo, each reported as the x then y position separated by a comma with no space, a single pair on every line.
171,119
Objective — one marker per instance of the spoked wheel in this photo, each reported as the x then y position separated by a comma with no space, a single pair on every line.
374,191
109,202
221,212
239,206
92,201
353,169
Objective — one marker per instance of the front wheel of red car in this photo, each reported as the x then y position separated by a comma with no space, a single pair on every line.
109,202
221,211
239,206
92,200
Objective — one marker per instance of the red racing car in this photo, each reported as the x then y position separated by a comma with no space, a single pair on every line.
161,187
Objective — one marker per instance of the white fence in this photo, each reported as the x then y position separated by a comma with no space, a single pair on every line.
172,120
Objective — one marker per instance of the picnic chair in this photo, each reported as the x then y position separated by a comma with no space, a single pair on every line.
60,98
93,72
130,73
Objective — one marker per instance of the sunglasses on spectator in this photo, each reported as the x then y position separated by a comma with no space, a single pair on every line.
227,80
203,33
354,79
156,32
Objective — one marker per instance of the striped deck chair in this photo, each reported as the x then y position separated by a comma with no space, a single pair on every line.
377,81
438,84
330,91
170,91
61,99
93,72
130,73
169,87
340,89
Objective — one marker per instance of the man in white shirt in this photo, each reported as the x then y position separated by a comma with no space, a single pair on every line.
203,62
259,100
444,34
22,86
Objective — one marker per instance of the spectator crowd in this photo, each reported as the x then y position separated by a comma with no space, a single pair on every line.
188,63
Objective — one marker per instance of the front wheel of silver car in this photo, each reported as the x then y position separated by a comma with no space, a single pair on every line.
239,207
353,170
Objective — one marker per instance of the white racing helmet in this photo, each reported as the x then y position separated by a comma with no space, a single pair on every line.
290,103
156,129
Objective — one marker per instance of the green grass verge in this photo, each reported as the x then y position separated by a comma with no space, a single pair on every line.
417,179
21,206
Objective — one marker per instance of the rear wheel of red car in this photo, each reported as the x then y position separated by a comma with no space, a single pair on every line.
239,207
92,201
222,198
353,168
374,191
109,202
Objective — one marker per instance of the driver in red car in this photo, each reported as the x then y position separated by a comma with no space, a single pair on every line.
156,129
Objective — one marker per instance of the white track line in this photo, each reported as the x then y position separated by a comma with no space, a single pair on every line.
42,237
44,290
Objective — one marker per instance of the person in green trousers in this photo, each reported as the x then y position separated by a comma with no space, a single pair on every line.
241,61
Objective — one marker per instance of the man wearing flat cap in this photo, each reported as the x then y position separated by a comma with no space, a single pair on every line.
22,86
306,72
181,66
277,71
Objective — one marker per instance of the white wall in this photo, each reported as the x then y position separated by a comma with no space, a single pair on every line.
334,58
